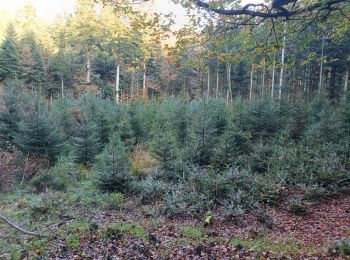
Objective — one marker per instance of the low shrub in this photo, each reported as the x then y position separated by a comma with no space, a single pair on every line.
113,168
344,248
151,190
48,180
297,206
113,200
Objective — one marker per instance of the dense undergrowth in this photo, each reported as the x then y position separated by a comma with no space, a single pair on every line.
183,156
171,157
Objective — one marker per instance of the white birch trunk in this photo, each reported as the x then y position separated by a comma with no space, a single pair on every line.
346,82
321,68
62,86
144,90
88,67
263,80
229,85
282,70
117,80
273,78
217,82
132,85
251,84
305,79
208,87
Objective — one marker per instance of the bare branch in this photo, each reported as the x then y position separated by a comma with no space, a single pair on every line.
276,10
19,228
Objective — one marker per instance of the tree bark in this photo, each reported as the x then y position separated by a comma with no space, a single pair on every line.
217,81
88,67
144,89
132,85
273,78
117,78
62,86
251,84
263,79
19,228
282,70
229,85
208,87
346,82
321,68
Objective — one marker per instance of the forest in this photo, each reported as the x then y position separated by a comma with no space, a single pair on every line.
126,136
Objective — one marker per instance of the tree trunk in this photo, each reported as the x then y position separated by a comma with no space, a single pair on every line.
62,86
346,81
251,84
321,68
88,67
144,89
282,70
132,85
117,78
229,85
273,78
305,79
208,87
217,81
263,79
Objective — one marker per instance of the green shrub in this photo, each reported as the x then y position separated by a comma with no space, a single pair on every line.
297,206
48,203
151,190
49,180
344,248
57,177
113,200
113,168
192,232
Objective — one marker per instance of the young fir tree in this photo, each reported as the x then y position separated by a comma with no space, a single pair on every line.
164,149
9,117
204,136
232,145
181,122
38,132
113,167
31,64
95,112
86,140
9,56
125,130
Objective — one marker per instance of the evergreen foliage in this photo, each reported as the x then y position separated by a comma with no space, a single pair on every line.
233,144
9,117
32,67
9,56
204,135
38,132
113,168
86,139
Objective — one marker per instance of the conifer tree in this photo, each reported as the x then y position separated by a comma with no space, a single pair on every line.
113,167
232,144
204,136
164,149
9,117
181,119
38,132
86,140
31,61
9,56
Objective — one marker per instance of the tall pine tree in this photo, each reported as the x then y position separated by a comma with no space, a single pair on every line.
32,67
38,132
9,117
9,56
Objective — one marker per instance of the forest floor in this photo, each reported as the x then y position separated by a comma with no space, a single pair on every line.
130,233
